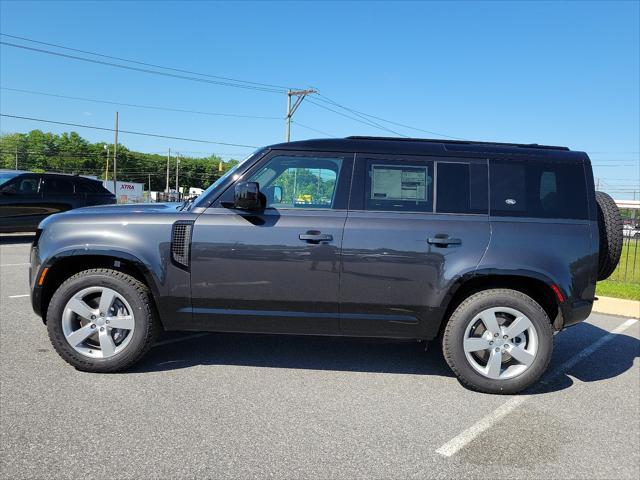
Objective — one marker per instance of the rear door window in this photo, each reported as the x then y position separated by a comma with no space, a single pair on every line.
90,186
58,186
399,185
538,189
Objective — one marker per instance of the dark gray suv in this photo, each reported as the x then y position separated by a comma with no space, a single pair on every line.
490,248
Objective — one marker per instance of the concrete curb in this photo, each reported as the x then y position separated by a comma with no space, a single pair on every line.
617,306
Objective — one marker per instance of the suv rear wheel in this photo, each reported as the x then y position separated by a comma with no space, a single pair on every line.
498,341
101,320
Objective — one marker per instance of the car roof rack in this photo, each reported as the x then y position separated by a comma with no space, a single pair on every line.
458,142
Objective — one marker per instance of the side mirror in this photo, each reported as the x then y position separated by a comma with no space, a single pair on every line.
8,190
247,196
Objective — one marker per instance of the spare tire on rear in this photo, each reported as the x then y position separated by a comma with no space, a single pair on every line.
610,228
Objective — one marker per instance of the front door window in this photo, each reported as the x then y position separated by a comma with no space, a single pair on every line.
299,182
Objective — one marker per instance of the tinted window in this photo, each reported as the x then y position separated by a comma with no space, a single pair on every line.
462,187
538,189
89,186
299,182
399,186
6,176
23,185
58,185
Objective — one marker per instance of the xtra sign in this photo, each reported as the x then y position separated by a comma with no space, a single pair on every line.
126,191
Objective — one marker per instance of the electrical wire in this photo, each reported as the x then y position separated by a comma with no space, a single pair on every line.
145,134
137,62
366,122
312,129
328,100
152,107
143,70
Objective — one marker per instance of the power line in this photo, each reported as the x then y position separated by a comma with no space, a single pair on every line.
312,129
145,134
137,62
328,100
143,70
152,107
371,122
366,122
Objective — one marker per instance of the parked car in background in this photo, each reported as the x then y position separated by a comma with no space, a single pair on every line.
632,231
26,198
489,248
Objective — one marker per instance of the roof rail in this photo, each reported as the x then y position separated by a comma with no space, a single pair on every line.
458,142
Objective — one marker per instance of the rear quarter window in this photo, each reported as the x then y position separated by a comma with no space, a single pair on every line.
538,189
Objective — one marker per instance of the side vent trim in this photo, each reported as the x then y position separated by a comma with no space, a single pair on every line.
181,243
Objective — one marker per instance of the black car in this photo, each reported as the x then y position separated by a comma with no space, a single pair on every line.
27,198
489,248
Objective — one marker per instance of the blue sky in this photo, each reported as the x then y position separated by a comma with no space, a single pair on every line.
544,72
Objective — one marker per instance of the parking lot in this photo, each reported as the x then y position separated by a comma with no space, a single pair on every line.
240,406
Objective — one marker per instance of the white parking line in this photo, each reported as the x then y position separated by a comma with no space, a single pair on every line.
457,443
14,264
19,296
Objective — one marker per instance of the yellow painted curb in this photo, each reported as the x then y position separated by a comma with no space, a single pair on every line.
617,306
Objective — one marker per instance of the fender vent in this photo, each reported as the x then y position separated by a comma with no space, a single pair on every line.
181,243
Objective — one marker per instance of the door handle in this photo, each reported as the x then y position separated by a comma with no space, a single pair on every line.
443,241
315,237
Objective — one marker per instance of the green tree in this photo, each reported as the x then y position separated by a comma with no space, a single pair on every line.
70,153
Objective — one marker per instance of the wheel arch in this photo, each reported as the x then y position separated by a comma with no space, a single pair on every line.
542,289
65,264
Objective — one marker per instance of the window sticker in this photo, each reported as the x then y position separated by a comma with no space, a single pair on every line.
393,183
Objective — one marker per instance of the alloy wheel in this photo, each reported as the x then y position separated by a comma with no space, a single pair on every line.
500,343
98,322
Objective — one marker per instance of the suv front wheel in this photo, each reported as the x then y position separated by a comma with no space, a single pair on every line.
102,320
498,341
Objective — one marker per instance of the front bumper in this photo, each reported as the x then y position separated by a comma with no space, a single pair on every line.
35,268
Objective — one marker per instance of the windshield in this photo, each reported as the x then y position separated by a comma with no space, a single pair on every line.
6,176
226,175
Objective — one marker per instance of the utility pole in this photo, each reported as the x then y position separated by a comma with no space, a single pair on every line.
16,157
177,164
166,190
291,109
115,160
149,196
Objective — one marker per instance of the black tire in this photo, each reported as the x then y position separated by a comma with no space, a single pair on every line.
136,294
452,341
611,235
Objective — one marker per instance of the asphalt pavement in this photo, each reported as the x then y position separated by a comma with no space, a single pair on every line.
254,406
